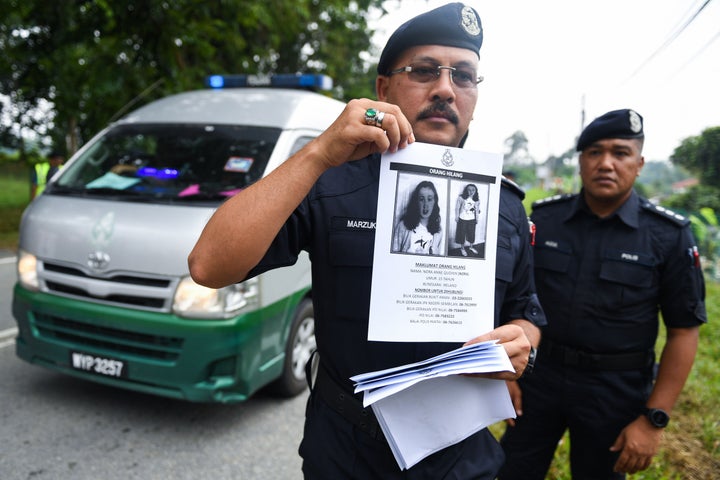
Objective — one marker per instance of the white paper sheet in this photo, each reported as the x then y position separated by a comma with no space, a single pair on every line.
428,287
482,357
426,406
432,292
440,412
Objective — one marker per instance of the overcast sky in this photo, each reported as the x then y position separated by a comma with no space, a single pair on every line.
544,61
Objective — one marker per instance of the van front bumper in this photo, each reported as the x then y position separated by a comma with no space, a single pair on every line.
223,360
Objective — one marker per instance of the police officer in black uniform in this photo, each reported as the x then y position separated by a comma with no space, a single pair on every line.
606,261
427,90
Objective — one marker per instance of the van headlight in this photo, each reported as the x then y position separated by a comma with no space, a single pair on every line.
195,301
27,271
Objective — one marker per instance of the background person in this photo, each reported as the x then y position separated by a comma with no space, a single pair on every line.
42,172
419,230
427,90
606,261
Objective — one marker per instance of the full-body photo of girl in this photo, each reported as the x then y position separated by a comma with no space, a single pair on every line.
467,210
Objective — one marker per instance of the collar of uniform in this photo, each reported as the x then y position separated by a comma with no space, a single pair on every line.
628,212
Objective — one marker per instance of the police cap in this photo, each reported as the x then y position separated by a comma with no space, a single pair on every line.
452,25
623,123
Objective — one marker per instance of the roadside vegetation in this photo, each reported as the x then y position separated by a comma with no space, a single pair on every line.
14,197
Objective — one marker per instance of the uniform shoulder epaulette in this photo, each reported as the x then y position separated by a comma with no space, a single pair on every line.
514,187
564,197
666,213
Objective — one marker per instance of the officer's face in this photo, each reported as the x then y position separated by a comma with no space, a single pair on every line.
440,111
608,169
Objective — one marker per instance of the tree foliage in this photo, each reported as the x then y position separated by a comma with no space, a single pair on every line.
701,156
94,60
516,149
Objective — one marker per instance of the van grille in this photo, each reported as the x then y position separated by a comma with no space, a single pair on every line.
109,339
121,289
129,279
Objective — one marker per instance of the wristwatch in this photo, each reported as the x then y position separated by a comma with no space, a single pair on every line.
658,417
531,361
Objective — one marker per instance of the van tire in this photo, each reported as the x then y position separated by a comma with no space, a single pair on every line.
298,349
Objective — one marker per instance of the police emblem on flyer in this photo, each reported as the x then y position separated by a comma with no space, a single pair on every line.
435,245
447,158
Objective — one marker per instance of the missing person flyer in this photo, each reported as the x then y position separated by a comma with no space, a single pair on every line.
435,245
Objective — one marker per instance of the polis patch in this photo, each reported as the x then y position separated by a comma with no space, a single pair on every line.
630,257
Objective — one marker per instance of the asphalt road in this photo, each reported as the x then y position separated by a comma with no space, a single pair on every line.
56,427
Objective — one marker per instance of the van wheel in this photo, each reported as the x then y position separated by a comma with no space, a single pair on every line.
300,345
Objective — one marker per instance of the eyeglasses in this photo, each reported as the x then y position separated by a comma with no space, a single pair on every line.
463,77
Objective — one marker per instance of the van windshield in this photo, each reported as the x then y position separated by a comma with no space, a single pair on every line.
173,162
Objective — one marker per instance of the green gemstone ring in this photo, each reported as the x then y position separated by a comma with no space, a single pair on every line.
373,117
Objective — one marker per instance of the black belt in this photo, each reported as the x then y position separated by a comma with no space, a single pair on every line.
572,357
346,404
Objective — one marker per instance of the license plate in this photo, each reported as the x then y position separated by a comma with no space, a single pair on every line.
105,366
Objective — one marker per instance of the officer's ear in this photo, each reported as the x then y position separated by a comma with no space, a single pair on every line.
382,82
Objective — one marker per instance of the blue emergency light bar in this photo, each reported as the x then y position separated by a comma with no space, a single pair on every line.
159,173
290,80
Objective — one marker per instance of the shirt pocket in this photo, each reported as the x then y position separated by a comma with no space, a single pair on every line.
627,284
350,255
552,273
552,259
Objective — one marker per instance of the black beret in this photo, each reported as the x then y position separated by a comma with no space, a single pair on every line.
452,25
616,124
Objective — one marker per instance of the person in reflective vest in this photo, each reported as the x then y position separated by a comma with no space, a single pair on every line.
43,172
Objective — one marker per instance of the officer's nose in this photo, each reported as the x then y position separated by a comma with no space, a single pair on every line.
443,88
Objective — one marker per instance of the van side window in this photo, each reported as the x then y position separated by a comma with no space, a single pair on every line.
300,143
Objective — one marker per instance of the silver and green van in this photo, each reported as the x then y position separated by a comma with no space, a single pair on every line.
103,289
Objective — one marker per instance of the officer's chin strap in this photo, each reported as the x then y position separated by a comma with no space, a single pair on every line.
311,367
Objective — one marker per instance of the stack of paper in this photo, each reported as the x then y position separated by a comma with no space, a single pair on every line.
427,406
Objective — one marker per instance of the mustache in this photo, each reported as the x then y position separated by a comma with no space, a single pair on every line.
439,109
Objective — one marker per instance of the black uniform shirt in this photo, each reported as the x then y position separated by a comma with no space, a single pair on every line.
336,224
602,281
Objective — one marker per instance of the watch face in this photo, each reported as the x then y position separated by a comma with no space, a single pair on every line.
658,417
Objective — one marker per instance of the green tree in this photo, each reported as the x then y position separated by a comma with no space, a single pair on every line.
701,156
93,60
516,149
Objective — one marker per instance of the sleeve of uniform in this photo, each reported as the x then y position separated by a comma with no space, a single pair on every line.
682,286
292,238
520,299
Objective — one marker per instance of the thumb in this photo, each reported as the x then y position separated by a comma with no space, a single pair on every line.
618,445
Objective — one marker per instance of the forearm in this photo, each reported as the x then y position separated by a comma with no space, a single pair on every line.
676,363
239,233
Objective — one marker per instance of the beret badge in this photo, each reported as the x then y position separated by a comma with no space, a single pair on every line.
470,21
635,122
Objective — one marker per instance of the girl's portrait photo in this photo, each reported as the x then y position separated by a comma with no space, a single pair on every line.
419,227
